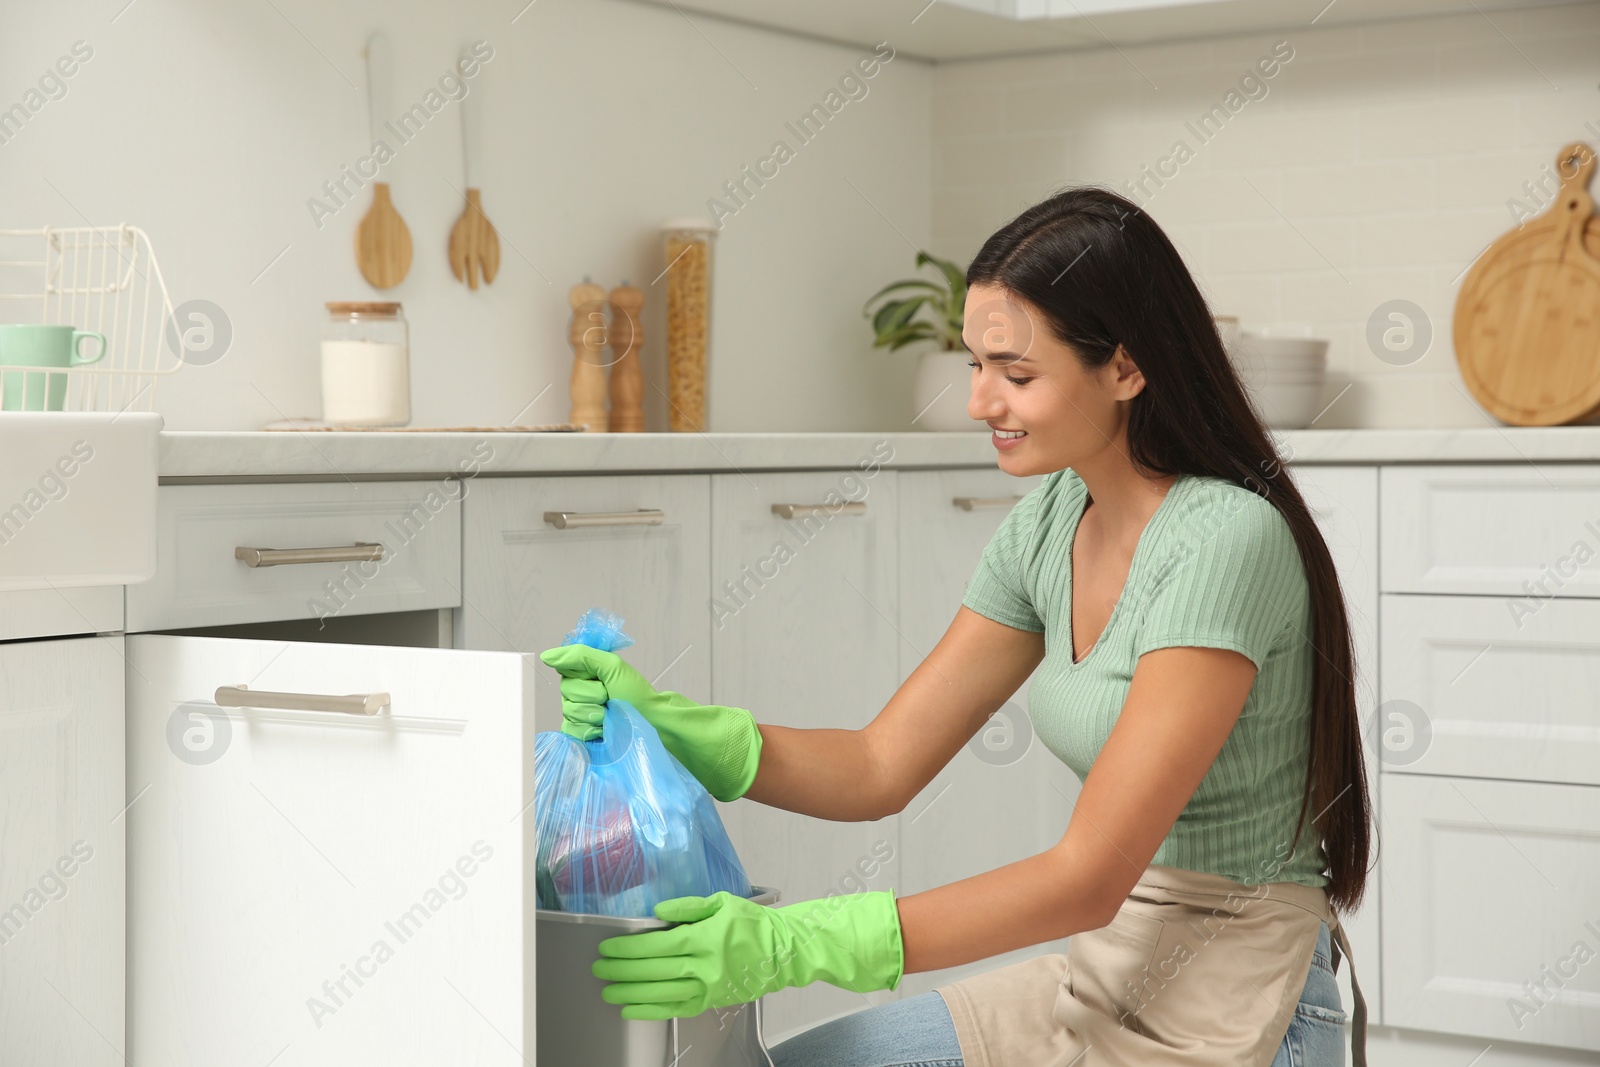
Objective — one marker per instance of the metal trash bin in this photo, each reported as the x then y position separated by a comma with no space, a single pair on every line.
576,1028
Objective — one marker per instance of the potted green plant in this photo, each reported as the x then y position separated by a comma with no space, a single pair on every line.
915,310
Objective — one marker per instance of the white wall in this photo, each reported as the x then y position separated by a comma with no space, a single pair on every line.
1382,160
210,125
1384,157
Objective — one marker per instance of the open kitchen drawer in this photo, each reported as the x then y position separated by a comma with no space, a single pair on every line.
342,876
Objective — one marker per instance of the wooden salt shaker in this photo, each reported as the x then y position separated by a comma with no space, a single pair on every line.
627,378
587,336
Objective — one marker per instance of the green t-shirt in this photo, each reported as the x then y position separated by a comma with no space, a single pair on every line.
1216,567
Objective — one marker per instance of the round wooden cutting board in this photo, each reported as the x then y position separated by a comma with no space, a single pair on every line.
1527,320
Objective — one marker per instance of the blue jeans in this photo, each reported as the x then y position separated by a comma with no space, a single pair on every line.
917,1031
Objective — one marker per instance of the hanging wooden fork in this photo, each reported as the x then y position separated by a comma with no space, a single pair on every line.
474,246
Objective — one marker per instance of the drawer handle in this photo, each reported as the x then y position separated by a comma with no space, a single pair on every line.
973,503
811,511
238,696
361,551
570,520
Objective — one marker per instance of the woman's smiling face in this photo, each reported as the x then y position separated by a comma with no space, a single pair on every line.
1026,381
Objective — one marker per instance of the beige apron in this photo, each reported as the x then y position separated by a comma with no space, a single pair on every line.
1195,970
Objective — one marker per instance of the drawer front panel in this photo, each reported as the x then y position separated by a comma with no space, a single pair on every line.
803,636
283,848
946,520
1511,530
635,545
1473,687
1489,920
200,582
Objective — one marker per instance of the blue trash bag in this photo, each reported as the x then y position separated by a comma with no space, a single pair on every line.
621,825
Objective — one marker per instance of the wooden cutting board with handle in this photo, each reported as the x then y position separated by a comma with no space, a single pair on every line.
1527,320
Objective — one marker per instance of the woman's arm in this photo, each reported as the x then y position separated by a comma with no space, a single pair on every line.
1181,706
874,772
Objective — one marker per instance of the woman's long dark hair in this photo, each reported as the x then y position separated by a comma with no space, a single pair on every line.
1104,275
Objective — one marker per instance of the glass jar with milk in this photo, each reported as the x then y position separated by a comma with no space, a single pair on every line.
366,370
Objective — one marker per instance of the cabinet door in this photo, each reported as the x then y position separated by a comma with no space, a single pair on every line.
1005,796
1519,530
265,552
803,635
1344,501
525,580
1489,914
1499,693
355,888
61,852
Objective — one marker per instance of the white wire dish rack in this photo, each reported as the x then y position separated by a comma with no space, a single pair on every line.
99,278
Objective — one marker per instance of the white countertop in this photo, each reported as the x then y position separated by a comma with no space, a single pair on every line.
236,456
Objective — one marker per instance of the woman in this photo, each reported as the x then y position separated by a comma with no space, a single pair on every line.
1194,668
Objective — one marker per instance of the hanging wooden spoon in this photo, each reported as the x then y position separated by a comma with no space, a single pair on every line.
383,243
474,246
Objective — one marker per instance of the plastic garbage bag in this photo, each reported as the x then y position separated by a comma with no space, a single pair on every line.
621,825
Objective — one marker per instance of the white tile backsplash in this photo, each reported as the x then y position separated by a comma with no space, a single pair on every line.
210,125
1380,163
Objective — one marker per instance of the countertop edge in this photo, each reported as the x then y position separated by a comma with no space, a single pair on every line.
223,456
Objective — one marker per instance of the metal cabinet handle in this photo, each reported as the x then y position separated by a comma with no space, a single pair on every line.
361,551
809,511
973,503
569,520
238,696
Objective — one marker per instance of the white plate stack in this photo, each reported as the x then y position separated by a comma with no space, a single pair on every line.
1284,376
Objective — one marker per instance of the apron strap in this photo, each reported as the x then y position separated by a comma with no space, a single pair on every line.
1358,1017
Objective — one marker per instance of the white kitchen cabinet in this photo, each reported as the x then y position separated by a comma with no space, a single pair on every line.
1517,530
1483,691
816,634
331,887
258,552
62,852
1005,796
538,552
1344,502
803,635
1490,922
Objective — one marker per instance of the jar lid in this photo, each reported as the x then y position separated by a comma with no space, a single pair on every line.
688,222
363,307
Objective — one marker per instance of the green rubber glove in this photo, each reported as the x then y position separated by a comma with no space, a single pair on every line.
719,746
732,950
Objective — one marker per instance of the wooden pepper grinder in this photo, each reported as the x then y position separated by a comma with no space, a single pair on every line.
587,336
627,378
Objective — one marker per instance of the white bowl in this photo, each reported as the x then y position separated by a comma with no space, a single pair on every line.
1267,348
1261,373
1286,376
1228,328
1263,360
1285,406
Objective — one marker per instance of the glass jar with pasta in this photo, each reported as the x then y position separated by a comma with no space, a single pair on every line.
687,244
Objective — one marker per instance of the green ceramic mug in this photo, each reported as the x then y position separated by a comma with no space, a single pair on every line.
49,349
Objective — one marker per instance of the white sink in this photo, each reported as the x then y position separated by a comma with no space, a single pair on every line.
77,498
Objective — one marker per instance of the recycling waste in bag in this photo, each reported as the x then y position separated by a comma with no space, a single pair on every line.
621,824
